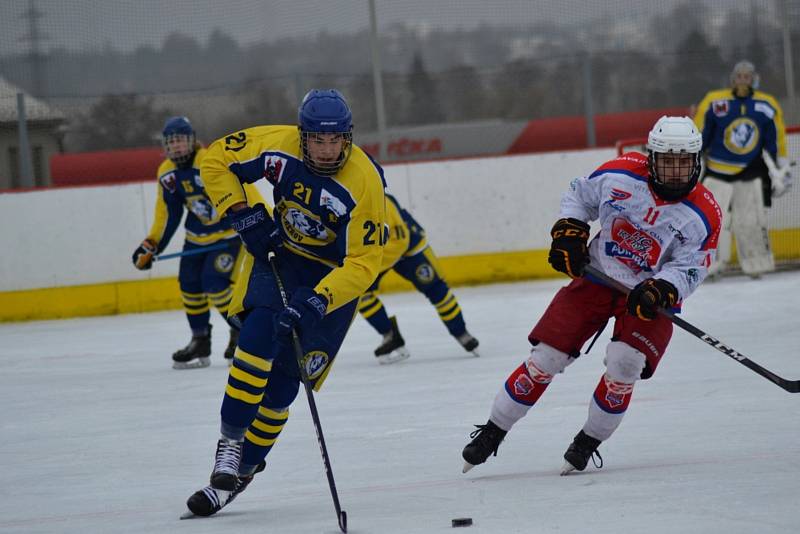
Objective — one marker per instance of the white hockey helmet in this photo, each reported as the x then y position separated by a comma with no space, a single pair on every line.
673,156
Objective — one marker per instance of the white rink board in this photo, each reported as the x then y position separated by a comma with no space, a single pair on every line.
86,235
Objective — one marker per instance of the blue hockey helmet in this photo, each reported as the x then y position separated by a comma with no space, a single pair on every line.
179,140
325,111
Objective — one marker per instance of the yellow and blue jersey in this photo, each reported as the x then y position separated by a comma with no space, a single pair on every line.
406,235
180,188
335,222
736,130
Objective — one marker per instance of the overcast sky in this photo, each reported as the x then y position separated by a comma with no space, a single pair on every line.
81,24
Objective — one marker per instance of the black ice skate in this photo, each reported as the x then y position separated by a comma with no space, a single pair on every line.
578,453
208,501
469,343
485,441
393,349
194,355
231,348
226,464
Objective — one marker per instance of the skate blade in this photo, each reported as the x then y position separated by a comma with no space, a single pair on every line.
467,466
397,355
567,468
199,363
188,515
476,353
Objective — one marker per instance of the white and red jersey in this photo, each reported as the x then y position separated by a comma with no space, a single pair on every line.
642,236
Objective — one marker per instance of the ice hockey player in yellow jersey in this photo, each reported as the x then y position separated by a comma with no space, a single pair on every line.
327,236
408,253
206,278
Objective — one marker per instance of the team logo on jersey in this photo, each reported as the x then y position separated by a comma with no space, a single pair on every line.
314,363
615,196
328,200
169,182
202,208
425,273
304,225
741,136
720,108
273,168
224,262
634,247
619,194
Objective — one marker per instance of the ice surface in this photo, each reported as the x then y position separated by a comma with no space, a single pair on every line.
100,435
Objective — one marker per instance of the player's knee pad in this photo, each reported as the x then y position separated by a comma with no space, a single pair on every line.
546,361
624,363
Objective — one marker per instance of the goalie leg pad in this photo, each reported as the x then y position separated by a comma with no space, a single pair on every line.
749,225
723,193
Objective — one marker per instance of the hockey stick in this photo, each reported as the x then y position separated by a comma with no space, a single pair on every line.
792,386
192,252
341,515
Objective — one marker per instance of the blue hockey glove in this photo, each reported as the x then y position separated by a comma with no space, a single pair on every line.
256,229
306,308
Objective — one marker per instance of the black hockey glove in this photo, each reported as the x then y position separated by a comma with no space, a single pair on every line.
568,252
143,255
647,297
257,230
306,308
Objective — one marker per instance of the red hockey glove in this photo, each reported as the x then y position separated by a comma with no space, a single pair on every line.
647,297
568,251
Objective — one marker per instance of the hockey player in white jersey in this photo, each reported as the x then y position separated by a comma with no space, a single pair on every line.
658,234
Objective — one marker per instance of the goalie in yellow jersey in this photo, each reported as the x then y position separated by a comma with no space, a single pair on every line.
327,234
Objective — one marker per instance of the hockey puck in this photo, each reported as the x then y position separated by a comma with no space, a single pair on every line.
462,522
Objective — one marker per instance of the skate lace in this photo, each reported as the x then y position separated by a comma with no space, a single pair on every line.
486,438
213,497
227,460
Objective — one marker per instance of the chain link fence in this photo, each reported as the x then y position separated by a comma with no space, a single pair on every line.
104,74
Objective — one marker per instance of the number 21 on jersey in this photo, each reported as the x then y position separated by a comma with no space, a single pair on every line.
372,231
